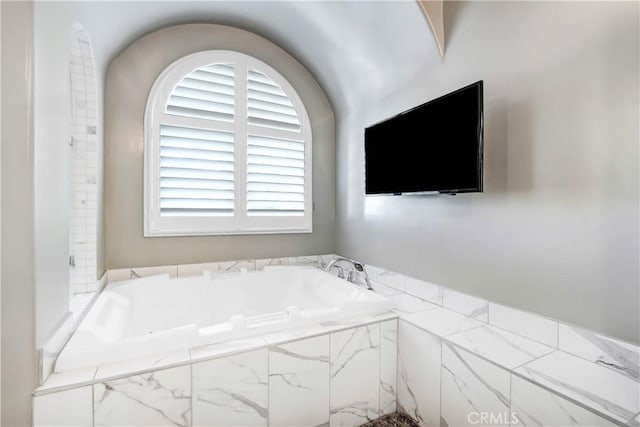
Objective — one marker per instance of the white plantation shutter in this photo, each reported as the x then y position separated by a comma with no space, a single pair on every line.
275,177
196,172
227,150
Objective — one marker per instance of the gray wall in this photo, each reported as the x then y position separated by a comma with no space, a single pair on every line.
129,80
556,230
18,374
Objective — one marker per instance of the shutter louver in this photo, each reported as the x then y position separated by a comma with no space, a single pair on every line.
268,105
205,93
227,150
275,177
196,172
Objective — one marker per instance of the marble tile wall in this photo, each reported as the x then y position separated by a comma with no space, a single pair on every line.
471,386
355,376
343,377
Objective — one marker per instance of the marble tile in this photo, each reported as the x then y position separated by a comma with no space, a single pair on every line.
355,376
262,263
349,323
472,387
526,324
66,380
228,266
294,334
171,270
197,269
424,290
406,304
534,406
299,383
388,366
392,279
419,374
499,346
232,391
227,348
160,398
384,290
118,275
311,260
468,305
65,409
605,390
441,321
635,422
131,366
614,354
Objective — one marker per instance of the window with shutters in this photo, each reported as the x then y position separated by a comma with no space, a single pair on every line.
227,150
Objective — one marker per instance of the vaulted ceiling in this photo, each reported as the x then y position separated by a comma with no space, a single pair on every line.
354,49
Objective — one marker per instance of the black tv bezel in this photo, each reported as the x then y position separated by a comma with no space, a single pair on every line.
480,132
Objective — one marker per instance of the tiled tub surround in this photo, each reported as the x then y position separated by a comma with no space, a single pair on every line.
339,375
462,358
456,355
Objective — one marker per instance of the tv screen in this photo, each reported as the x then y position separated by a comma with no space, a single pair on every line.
436,146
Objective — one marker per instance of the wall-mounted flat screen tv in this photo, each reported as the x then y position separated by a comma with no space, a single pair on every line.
434,147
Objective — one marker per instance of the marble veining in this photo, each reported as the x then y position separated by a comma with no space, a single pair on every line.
504,348
229,266
262,263
533,406
419,374
355,371
231,391
617,355
526,324
388,366
605,390
467,305
149,363
299,375
471,385
160,398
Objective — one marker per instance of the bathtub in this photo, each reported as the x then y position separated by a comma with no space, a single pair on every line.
159,314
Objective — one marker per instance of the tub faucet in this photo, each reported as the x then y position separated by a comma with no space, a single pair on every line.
355,270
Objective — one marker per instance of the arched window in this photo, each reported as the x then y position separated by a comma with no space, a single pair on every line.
227,150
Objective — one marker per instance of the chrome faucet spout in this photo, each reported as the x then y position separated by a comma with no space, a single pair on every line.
356,270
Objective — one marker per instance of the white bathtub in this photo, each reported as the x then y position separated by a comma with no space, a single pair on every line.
159,314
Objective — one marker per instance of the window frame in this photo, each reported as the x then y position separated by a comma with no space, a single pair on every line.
240,222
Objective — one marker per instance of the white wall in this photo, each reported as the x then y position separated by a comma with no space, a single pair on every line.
556,230
53,23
